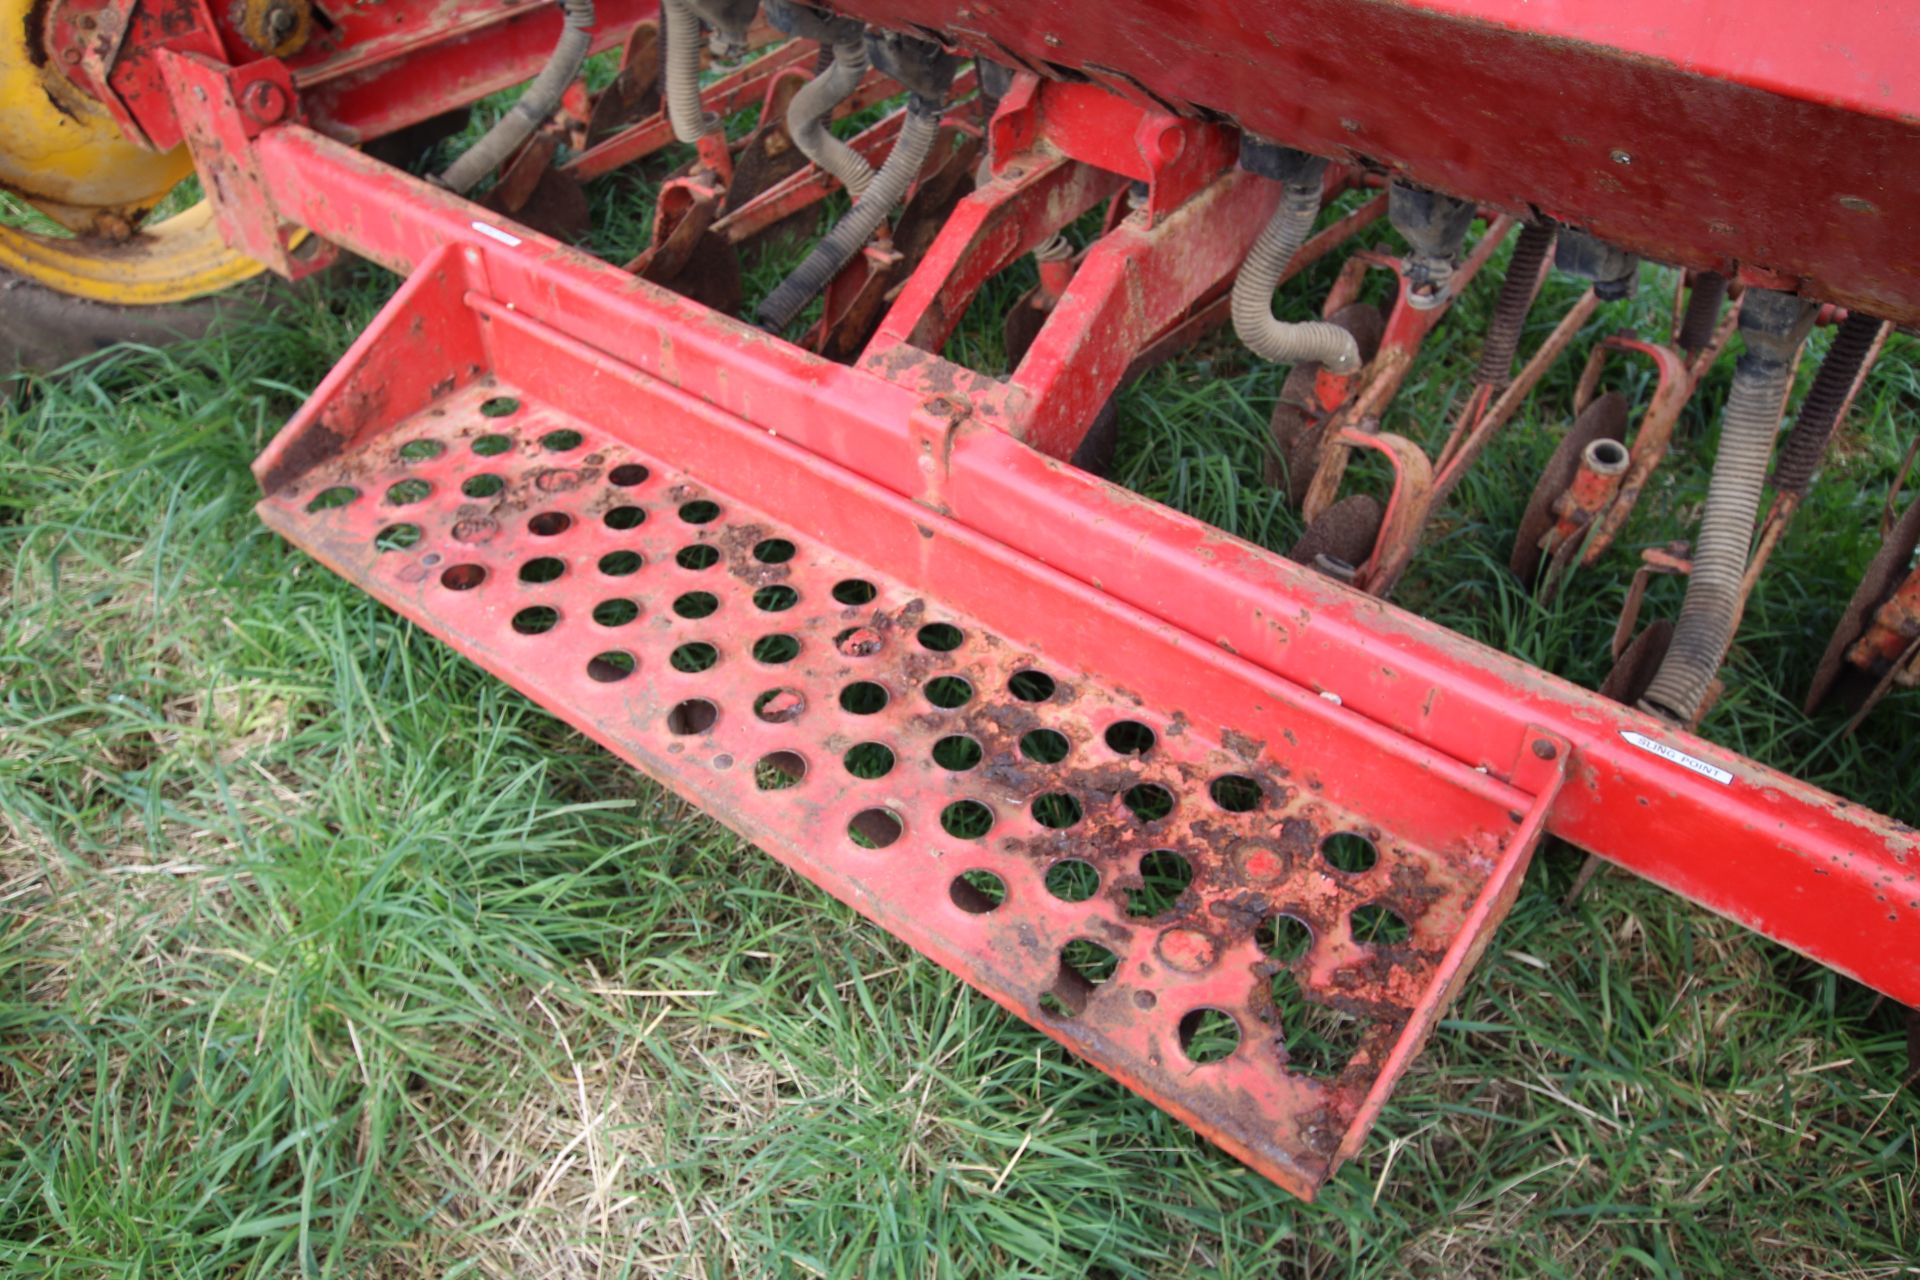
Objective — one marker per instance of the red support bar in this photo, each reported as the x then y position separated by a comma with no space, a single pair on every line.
735,91
1825,877
1136,282
391,65
1031,199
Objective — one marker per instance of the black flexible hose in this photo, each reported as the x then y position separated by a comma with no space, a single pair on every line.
1819,412
512,130
1773,326
838,246
1516,299
1703,311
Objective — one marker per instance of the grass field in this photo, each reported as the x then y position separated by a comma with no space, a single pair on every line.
324,954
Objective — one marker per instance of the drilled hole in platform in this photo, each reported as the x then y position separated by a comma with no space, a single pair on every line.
956,752
1209,1035
1378,925
773,551
699,556
1084,965
948,692
462,577
484,485
620,519
1164,876
560,441
332,497
1031,686
700,511
780,706
1072,880
779,770
499,407
977,892
614,664
1284,937
1053,1004
863,698
854,591
1148,801
618,564
966,819
542,569
421,450
492,445
1319,1039
694,656
869,760
1235,792
628,474
1349,851
875,828
615,613
775,599
941,637
858,642
1044,746
1130,737
549,523
396,537
1056,810
776,649
695,715
536,620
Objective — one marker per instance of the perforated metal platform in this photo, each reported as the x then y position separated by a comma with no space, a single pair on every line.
1238,898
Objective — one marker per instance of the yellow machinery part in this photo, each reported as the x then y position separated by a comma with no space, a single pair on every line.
62,153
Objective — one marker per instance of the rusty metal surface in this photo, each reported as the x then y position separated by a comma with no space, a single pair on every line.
1588,111
1823,876
1604,419
1247,904
1873,645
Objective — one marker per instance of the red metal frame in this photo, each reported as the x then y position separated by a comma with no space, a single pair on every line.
1816,873
1451,847
954,479
370,71
1686,134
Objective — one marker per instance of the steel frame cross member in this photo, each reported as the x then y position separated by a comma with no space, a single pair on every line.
1823,876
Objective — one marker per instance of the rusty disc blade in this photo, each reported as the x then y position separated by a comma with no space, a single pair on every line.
1297,426
1888,569
1634,669
1344,533
1604,419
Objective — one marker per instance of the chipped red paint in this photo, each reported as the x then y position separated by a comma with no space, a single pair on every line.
778,671
943,488
1771,139
1823,876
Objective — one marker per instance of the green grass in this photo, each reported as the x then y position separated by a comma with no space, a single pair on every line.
324,953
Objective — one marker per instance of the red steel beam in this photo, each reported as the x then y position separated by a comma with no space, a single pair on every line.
1825,877
1778,137
388,66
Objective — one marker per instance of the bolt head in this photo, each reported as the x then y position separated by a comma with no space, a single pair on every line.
265,102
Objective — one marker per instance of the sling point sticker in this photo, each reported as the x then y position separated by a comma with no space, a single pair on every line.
1679,757
492,232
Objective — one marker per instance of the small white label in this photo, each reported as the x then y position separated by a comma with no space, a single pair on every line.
1681,758
492,232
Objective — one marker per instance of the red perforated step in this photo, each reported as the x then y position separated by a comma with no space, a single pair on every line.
1235,896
